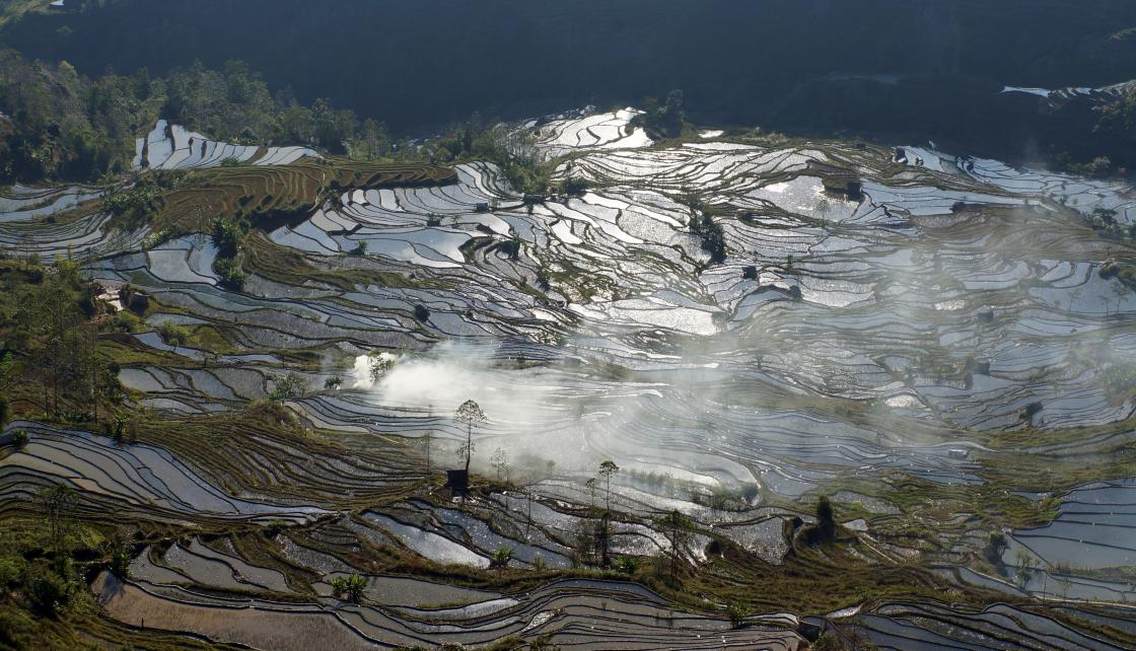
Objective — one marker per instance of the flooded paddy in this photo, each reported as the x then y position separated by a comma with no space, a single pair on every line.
919,335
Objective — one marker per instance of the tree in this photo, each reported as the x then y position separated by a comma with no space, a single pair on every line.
469,413
737,614
677,528
607,469
48,593
1026,567
826,522
501,463
119,552
379,365
666,119
591,484
289,387
427,443
7,376
370,143
58,502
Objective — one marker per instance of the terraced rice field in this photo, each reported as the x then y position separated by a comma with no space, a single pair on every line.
937,350
172,147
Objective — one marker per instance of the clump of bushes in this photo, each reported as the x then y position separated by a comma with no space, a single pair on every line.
576,186
501,557
48,593
228,235
666,119
350,586
713,237
20,439
289,387
174,334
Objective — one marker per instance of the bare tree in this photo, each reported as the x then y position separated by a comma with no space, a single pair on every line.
677,528
469,414
501,463
59,502
427,441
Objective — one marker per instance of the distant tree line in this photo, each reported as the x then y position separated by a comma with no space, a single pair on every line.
58,124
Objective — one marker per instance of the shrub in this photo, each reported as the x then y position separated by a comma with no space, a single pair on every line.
737,614
11,568
173,334
575,186
47,593
422,313
228,234
359,250
230,162
627,564
230,272
20,439
288,387
125,321
17,630
351,586
995,546
501,557
119,553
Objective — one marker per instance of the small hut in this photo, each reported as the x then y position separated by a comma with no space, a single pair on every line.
458,482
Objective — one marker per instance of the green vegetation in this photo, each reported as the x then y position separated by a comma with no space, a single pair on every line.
50,335
713,236
469,413
266,197
287,387
666,119
134,204
63,125
607,470
174,334
353,587
1124,271
501,557
19,439
228,235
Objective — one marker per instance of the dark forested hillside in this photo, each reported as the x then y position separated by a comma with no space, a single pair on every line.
62,124
897,66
